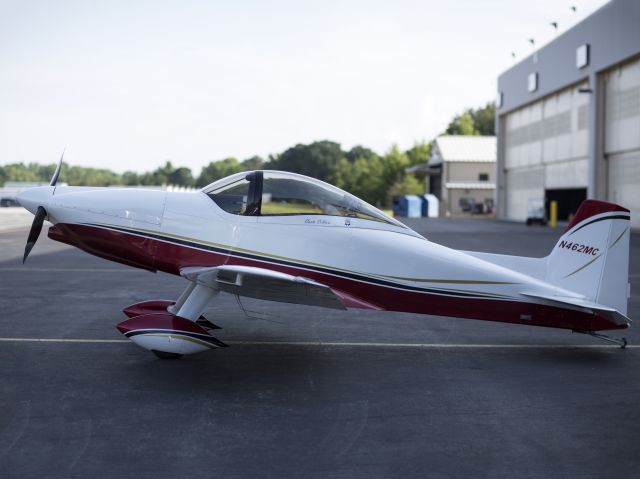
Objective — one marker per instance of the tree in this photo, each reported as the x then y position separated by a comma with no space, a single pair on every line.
462,125
409,185
162,174
364,178
318,159
130,178
484,119
218,169
480,121
358,152
370,176
395,162
181,176
253,163
79,175
22,172
419,153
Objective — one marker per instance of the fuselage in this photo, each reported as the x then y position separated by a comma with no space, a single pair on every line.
379,265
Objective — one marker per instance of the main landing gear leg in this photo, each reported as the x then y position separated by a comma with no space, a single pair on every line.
622,342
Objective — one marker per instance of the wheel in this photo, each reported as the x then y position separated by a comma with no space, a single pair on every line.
528,221
165,355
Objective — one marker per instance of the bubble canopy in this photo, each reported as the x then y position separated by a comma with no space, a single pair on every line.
279,193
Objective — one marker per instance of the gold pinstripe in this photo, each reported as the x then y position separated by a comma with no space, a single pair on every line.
309,263
179,336
593,260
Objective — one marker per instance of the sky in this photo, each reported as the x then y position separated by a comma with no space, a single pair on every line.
128,85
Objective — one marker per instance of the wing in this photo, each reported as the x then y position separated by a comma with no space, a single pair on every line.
266,284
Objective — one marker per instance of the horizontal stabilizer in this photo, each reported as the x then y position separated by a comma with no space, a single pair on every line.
584,305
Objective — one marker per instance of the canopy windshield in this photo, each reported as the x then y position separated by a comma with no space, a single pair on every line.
277,193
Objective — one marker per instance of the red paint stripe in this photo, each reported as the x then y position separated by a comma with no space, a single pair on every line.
589,208
169,257
160,321
147,307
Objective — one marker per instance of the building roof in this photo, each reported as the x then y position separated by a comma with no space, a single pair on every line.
464,148
470,185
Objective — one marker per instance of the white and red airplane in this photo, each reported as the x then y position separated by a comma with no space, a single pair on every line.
285,237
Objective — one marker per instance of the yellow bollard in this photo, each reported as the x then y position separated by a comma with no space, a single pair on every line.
553,214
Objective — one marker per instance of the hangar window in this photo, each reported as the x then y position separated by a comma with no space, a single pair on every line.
483,177
582,56
532,82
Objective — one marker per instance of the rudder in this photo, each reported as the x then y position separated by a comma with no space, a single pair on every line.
592,256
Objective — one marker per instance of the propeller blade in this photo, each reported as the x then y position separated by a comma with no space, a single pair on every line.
36,228
54,178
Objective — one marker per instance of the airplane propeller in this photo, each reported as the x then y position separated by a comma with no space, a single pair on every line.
40,215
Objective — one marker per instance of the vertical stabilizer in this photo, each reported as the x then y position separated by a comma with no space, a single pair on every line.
592,256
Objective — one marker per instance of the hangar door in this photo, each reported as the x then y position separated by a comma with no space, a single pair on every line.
622,137
545,148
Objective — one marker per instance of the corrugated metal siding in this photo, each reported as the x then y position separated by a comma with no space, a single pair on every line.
622,137
546,146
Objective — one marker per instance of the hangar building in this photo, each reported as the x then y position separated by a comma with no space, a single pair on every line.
568,118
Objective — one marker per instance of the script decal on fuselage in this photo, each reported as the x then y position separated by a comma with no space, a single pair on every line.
313,221
579,248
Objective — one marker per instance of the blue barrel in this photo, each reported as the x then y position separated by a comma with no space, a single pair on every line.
409,206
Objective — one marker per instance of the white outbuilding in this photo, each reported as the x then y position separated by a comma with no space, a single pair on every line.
462,174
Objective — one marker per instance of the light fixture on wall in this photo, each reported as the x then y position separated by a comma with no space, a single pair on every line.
585,89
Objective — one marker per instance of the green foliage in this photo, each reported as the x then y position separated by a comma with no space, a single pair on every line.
130,178
168,175
480,121
360,170
358,152
462,125
363,177
484,119
22,172
75,175
218,169
395,162
181,176
370,176
78,175
253,163
409,185
318,159
419,153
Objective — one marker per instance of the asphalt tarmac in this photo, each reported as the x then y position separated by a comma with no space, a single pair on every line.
303,391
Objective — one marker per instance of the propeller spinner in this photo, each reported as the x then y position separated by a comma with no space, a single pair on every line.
40,215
